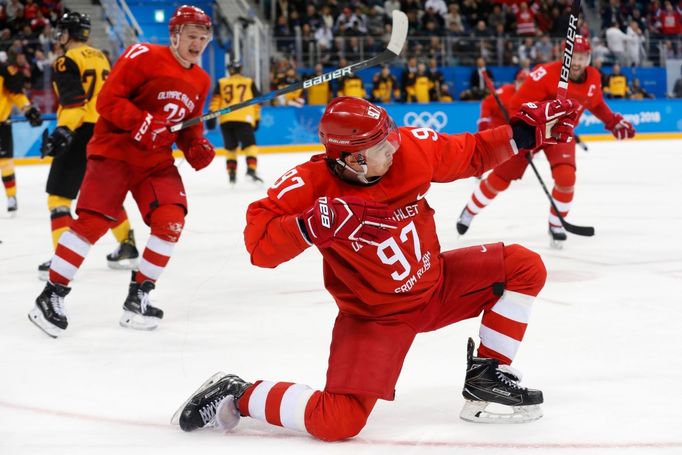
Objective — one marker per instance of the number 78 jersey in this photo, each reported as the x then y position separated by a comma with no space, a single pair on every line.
78,79
402,272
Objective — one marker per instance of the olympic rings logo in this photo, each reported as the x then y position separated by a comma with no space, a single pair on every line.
435,121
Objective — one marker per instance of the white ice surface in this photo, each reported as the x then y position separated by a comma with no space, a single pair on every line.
603,343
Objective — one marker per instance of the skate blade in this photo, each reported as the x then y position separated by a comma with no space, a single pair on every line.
477,412
175,420
136,321
556,244
36,317
123,264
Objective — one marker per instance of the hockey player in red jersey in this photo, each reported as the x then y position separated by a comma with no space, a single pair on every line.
150,87
362,204
585,87
491,114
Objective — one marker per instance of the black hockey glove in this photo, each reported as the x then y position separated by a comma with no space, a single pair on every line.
33,115
211,123
56,143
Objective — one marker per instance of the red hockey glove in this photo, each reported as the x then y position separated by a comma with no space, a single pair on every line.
200,154
349,219
484,124
153,133
620,128
552,120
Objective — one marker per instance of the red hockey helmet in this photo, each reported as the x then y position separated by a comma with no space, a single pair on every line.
521,76
188,15
582,44
353,125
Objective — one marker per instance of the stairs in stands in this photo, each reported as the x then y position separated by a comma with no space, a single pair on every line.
99,37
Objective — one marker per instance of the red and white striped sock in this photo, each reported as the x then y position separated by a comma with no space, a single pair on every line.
485,192
277,403
68,257
503,326
156,255
563,202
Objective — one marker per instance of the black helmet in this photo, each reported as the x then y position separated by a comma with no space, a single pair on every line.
235,66
77,24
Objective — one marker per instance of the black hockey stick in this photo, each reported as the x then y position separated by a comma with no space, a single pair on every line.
395,46
586,231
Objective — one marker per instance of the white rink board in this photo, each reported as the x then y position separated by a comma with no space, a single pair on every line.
603,343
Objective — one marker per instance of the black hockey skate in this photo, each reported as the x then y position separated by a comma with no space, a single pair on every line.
125,256
232,177
138,312
254,177
464,221
488,382
48,313
214,404
557,237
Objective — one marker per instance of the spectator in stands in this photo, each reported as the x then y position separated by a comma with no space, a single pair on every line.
385,86
615,40
389,6
437,6
408,76
453,20
525,20
670,21
599,50
421,87
375,21
325,40
611,14
543,50
436,77
321,94
477,87
527,51
445,94
312,17
351,85
634,47
637,92
616,84
15,11
560,19
496,18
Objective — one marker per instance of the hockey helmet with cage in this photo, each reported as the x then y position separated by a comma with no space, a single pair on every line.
235,66
77,24
353,125
188,15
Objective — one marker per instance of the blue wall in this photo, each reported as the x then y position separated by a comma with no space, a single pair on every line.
291,125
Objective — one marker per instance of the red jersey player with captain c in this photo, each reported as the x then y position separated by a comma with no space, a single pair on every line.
585,87
362,204
150,88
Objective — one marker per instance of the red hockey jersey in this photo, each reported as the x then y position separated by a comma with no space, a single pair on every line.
542,84
491,114
147,77
402,272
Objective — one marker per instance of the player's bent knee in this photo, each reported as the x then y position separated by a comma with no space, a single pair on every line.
337,417
525,271
90,225
564,176
167,222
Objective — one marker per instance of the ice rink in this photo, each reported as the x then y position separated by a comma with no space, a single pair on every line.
603,343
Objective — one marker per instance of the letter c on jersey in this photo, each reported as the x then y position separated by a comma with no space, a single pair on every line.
436,121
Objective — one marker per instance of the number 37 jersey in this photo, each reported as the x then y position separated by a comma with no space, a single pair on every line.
78,79
147,78
401,273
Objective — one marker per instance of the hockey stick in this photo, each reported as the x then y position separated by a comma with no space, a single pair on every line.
395,46
586,231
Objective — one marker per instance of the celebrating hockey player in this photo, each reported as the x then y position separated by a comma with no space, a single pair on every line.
78,78
585,87
150,88
362,204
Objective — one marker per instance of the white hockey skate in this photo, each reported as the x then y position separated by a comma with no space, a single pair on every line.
557,237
